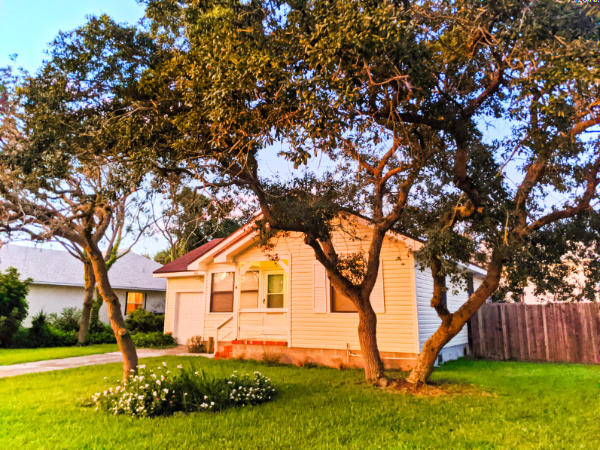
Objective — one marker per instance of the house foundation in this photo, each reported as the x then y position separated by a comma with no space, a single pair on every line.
279,351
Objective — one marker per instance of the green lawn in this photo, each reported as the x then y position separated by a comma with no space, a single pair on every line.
526,406
23,355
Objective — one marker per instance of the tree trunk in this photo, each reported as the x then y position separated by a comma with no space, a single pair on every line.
455,322
95,313
367,336
90,285
115,315
432,348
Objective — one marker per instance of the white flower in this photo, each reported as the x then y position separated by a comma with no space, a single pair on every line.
164,364
180,366
166,391
158,382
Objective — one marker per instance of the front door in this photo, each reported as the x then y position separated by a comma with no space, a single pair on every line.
274,292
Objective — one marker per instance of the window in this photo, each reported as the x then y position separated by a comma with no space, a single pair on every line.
445,295
470,287
249,290
135,300
221,294
340,302
274,290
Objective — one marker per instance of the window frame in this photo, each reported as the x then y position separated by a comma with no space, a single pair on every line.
330,291
445,295
210,291
144,294
470,285
258,290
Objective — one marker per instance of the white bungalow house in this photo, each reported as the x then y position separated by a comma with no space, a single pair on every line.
58,280
231,292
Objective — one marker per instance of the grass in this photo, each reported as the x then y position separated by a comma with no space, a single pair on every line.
510,405
23,355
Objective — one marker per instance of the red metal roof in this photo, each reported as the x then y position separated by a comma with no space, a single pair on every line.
181,264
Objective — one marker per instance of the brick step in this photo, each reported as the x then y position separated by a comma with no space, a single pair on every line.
255,342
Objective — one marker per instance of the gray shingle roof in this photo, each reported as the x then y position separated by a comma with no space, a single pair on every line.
58,267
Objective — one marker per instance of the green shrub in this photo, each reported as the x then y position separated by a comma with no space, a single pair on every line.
195,344
42,335
102,335
68,320
154,340
160,392
13,304
142,321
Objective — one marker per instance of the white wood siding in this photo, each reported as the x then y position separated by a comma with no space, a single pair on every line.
429,321
396,329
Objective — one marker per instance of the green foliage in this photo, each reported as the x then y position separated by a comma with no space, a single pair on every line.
156,339
13,304
41,335
52,330
160,392
67,321
193,219
102,334
142,321
195,344
561,262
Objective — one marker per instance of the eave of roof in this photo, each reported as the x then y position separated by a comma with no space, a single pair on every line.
181,264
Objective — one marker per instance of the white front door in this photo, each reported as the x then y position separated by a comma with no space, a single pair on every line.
189,316
273,289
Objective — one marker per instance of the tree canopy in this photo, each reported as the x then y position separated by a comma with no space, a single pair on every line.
396,95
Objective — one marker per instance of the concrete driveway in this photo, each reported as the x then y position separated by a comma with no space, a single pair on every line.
90,360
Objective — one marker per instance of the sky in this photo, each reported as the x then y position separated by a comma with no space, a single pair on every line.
27,26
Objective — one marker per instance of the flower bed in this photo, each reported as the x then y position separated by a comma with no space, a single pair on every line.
162,392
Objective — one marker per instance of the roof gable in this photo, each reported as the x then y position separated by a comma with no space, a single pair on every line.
181,264
57,267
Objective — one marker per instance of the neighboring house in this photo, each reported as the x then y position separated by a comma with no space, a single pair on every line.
58,280
231,291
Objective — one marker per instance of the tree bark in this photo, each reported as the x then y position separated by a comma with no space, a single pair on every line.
367,336
115,315
95,313
453,323
89,286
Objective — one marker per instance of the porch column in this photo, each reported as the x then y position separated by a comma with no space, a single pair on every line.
237,283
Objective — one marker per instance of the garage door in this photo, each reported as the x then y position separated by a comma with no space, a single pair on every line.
189,316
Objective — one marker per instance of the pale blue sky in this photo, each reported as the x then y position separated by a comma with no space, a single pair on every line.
27,26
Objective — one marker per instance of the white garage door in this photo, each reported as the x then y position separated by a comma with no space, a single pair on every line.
189,316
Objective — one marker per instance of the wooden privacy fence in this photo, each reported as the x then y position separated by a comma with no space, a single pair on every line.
568,332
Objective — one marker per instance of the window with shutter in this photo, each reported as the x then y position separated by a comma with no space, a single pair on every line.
340,302
319,288
377,294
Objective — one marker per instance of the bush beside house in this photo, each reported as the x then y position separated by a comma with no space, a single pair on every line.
13,306
60,330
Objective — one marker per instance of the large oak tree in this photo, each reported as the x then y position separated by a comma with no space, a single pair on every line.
58,129
396,95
